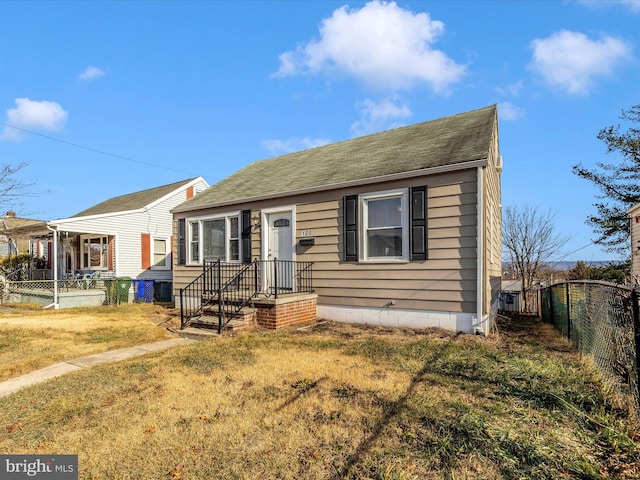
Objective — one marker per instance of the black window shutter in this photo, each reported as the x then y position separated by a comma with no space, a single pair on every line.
351,228
418,238
182,242
246,236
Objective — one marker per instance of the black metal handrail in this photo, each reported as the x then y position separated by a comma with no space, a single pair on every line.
191,300
237,292
287,276
226,288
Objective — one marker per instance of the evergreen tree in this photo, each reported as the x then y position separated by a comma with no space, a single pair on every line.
619,183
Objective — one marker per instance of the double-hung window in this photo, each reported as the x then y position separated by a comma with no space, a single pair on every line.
385,226
160,254
216,238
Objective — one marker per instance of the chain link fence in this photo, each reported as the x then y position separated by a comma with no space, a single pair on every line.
67,293
602,320
84,292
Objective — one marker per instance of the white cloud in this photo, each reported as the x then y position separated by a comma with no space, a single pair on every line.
279,147
509,111
512,90
572,61
633,5
381,45
91,73
375,117
33,115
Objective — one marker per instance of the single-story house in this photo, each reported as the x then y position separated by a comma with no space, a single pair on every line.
125,236
402,227
14,246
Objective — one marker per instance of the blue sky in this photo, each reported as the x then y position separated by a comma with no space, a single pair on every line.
114,97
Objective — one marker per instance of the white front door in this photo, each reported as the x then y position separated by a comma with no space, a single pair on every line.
280,246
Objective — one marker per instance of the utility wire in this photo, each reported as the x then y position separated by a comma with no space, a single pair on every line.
101,152
554,262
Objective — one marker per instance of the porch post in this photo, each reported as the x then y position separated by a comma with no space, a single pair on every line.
55,269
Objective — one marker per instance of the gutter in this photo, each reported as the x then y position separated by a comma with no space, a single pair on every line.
479,328
335,186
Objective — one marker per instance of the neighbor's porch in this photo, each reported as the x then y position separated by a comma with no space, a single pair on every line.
64,255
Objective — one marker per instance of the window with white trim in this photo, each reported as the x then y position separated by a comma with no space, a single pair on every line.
385,226
215,238
160,247
94,253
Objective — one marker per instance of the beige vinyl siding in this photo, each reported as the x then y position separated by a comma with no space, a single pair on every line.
446,281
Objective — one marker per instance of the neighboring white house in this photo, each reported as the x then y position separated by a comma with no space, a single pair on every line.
125,236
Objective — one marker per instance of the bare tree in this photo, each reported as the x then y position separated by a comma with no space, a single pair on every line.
529,238
12,188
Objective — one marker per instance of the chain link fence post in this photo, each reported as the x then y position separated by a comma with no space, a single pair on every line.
636,337
568,298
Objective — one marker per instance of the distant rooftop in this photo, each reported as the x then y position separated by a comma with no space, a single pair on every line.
132,201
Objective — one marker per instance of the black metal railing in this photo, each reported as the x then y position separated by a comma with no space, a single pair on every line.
223,289
285,276
191,300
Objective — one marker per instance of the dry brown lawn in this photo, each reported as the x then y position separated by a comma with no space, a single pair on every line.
32,339
335,401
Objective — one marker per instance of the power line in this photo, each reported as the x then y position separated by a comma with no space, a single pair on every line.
101,152
567,254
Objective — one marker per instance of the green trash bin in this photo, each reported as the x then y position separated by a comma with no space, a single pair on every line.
110,291
123,285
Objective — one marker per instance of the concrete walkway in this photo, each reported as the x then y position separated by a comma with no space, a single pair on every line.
10,386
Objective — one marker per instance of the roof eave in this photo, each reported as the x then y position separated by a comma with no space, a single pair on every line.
335,186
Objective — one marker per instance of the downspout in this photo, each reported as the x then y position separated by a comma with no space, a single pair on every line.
478,329
55,303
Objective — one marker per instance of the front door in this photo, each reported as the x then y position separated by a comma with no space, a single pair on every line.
280,247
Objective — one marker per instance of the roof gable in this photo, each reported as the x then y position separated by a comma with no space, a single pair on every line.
132,201
446,141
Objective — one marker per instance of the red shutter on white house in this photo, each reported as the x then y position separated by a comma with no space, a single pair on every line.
146,251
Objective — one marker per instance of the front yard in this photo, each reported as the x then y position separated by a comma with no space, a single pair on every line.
34,339
335,401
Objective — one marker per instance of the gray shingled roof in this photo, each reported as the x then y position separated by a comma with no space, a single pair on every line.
132,201
446,141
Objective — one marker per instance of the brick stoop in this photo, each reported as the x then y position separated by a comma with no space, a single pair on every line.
287,310
271,313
